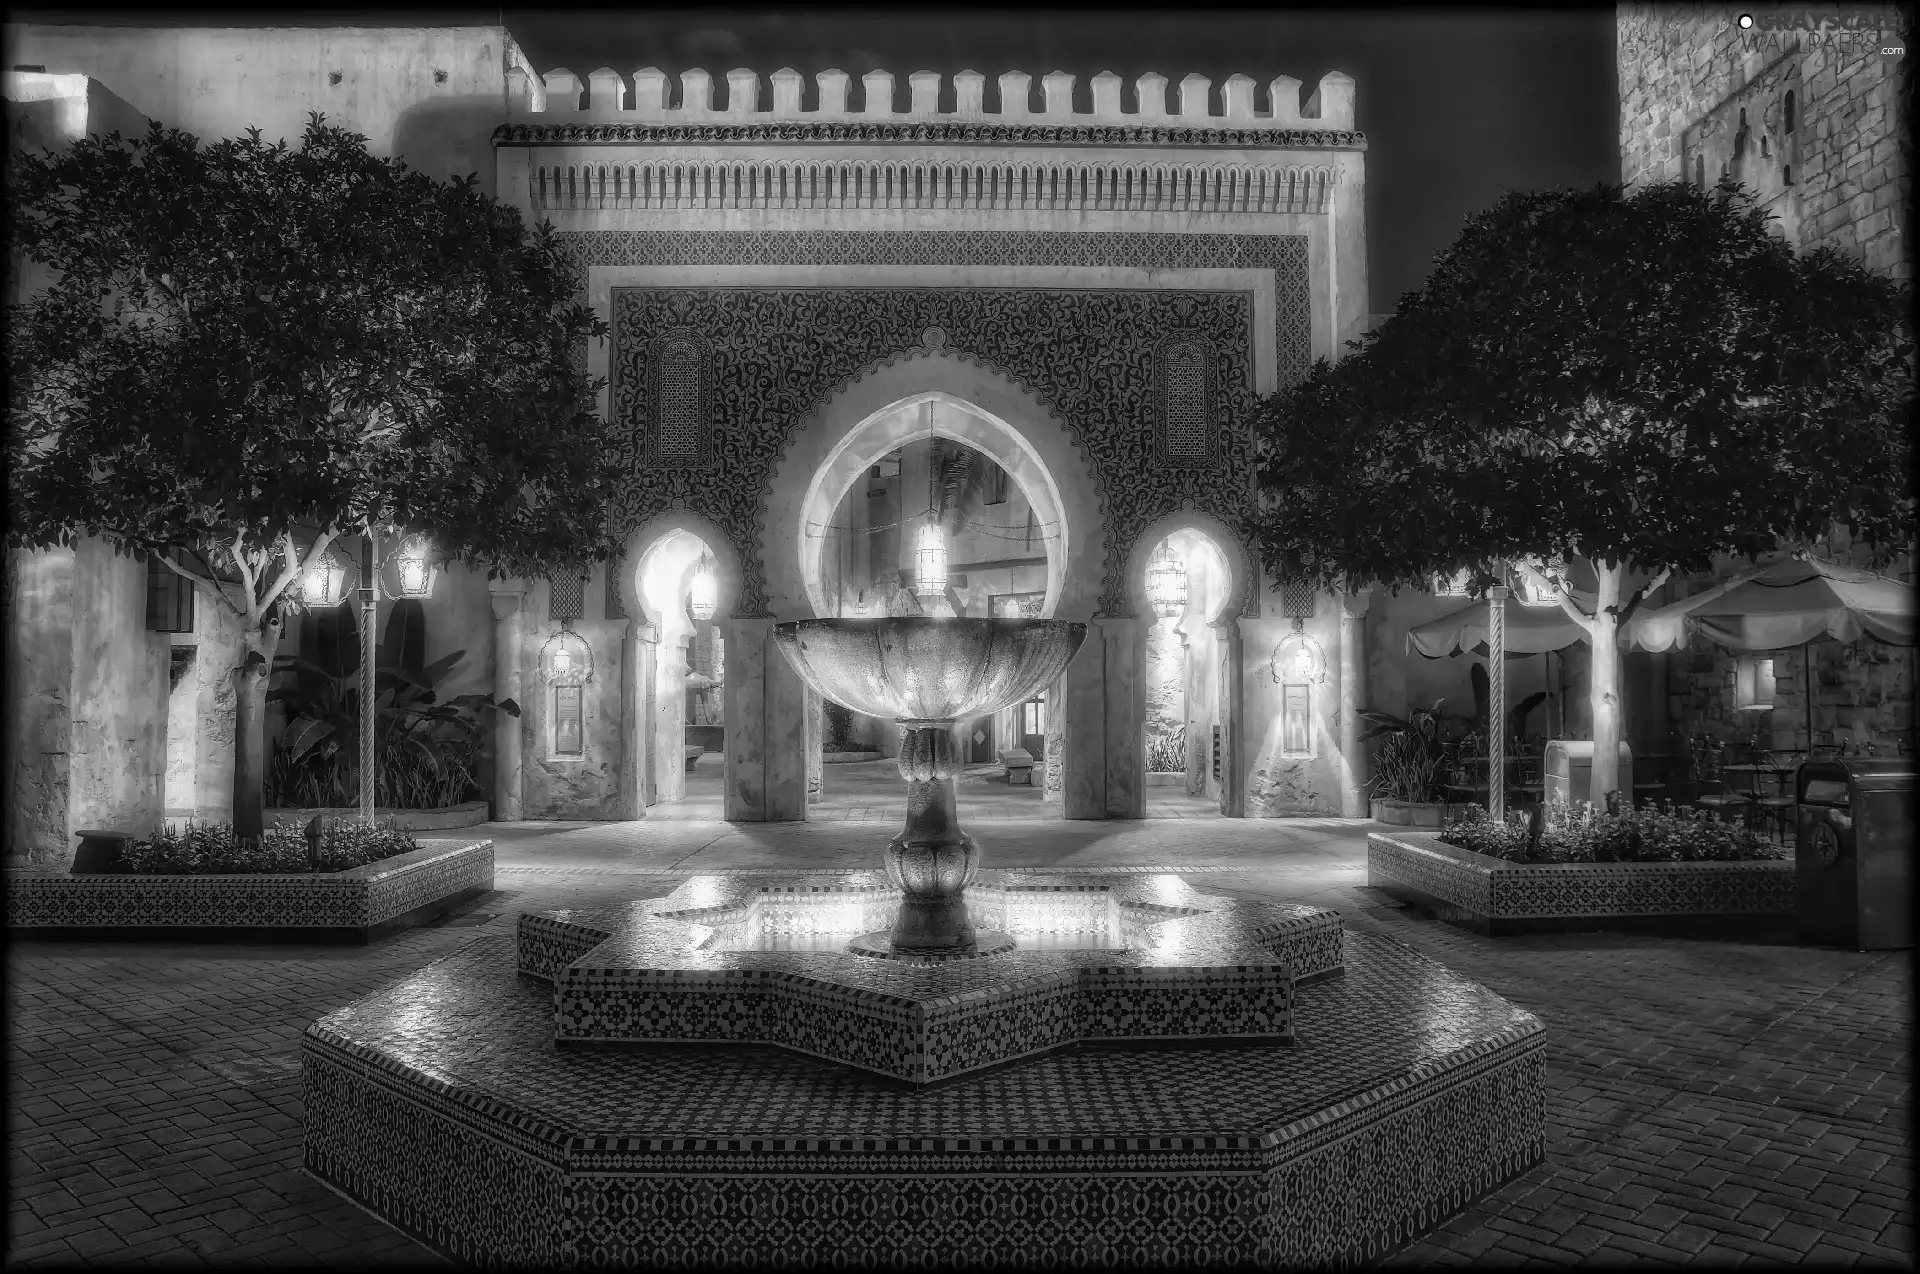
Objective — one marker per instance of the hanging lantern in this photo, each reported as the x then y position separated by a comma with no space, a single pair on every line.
704,591
566,659
413,567
930,561
1166,582
1298,658
323,583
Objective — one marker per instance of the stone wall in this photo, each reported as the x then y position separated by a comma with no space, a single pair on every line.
1687,71
431,94
38,718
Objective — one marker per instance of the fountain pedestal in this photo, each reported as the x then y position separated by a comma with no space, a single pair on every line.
932,861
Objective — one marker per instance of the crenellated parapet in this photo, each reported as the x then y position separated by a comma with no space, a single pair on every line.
561,97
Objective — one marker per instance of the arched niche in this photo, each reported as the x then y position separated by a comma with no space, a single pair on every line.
882,410
1233,554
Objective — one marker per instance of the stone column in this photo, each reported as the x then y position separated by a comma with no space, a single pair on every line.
633,728
38,722
1233,784
816,763
646,675
766,705
1054,730
1353,696
507,685
1125,684
1083,773
670,717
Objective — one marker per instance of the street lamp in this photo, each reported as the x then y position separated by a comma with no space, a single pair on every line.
703,591
930,560
413,567
1166,582
323,583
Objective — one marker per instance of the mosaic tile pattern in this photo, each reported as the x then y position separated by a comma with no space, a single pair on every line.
439,1103
1481,891
683,969
360,897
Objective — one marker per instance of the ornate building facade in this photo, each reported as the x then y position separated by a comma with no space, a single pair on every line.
805,280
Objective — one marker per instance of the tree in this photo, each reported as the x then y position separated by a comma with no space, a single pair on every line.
1644,381
247,352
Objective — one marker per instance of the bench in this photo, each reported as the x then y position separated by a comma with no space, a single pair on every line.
1018,760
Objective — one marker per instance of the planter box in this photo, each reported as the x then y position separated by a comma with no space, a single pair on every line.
1432,814
472,814
848,758
352,906
1494,897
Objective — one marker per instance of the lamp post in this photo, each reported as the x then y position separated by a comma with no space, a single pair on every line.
413,567
1497,703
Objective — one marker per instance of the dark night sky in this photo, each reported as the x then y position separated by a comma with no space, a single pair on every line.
1458,105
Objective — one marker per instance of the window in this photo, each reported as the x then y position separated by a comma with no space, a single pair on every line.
169,599
1296,734
1787,114
566,721
1700,171
995,487
1031,720
1753,684
680,403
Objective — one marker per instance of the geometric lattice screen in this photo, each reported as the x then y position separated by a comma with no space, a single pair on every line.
680,404
1185,393
1296,599
567,596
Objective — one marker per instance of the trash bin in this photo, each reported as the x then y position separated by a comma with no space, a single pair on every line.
1853,852
1568,772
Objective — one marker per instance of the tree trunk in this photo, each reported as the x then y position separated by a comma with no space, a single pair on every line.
250,727
1604,681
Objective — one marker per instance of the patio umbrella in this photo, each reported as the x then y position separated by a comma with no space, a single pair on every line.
1792,602
1786,603
1530,630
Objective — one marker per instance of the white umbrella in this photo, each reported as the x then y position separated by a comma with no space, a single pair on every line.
1530,630
1792,602
1786,603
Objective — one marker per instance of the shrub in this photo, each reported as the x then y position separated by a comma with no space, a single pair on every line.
199,849
1653,833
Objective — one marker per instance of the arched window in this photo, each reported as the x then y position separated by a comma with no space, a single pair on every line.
680,399
1185,390
1700,171
1787,114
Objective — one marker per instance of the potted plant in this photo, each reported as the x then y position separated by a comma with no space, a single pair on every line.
1409,783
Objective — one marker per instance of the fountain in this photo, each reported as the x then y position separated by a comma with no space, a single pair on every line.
927,673
1057,1067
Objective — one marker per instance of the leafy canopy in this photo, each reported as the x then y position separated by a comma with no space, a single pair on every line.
1649,379
242,342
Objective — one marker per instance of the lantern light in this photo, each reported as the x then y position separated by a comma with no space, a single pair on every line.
323,583
414,567
930,561
566,659
703,591
1299,658
562,662
1166,582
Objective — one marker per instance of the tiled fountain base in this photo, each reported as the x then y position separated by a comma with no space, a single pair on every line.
442,1105
765,962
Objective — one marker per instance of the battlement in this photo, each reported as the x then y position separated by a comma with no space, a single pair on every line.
558,96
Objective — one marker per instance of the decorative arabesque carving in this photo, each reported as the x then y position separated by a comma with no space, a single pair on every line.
778,353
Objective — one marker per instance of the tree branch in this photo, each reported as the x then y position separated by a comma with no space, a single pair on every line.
1645,591
1587,622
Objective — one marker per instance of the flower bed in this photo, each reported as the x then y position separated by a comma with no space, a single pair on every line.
199,849
1496,896
470,814
354,905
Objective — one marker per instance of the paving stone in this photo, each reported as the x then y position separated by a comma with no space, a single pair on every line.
1695,1086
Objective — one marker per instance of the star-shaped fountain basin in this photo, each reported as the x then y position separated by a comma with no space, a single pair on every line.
759,960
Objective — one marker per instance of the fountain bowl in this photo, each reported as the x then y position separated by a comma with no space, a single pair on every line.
928,668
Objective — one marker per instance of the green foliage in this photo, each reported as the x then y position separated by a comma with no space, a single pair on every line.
243,344
199,849
839,721
426,748
1652,833
1651,378
1409,762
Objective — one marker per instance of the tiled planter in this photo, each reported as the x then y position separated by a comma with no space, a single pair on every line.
1432,814
471,814
353,906
1495,897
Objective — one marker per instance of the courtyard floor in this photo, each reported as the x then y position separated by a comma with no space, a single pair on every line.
1710,1100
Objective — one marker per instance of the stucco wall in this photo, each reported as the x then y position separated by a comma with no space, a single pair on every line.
38,688
431,94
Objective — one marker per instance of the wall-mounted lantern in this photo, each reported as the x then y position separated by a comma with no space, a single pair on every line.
1166,582
566,659
930,560
703,591
1298,658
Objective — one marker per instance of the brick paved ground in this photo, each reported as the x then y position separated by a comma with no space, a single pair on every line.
1710,1099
